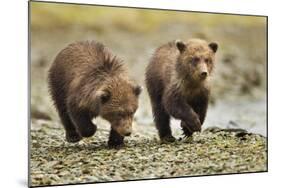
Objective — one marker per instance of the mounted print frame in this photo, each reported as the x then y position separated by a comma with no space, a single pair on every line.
128,93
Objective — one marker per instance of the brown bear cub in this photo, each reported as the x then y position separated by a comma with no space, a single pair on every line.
87,81
177,82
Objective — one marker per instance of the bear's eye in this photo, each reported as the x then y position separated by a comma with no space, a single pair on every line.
117,115
129,113
195,60
207,60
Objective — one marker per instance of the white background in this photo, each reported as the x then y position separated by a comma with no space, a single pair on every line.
14,77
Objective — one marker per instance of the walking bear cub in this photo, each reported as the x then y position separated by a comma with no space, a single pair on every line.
177,82
87,81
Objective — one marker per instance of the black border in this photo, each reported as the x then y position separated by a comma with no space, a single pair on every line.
86,4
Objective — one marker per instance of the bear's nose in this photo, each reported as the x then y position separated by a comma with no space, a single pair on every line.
204,74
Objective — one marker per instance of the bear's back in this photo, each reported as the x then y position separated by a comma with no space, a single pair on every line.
161,66
83,64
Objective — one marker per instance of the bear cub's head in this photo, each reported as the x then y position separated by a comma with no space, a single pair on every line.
196,59
118,104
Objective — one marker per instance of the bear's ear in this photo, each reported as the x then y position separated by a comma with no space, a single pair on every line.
137,90
180,45
213,46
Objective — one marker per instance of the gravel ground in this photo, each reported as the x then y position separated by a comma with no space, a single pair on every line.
213,151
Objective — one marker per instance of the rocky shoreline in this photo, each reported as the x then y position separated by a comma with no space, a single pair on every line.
213,151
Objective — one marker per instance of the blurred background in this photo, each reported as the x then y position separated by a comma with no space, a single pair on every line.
239,82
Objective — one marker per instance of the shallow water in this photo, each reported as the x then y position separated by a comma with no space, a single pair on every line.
242,114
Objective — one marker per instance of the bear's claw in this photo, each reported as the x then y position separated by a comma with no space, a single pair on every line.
168,139
72,137
115,145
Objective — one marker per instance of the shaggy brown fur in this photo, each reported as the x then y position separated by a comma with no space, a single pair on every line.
87,81
177,82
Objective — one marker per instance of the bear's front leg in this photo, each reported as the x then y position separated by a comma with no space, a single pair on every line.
179,109
200,106
115,140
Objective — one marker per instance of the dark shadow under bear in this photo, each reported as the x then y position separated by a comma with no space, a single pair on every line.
177,80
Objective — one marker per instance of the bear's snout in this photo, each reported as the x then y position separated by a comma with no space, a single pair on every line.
123,127
202,71
125,131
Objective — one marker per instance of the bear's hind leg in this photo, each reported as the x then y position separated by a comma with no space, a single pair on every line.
162,122
71,134
58,96
83,123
